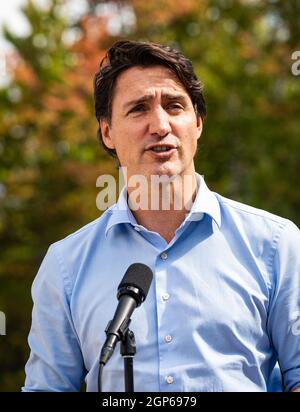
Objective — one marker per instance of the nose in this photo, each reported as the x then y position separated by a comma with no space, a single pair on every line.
159,122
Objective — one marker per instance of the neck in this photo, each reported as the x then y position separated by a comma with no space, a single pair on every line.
161,205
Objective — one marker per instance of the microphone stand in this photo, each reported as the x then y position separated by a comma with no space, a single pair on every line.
128,350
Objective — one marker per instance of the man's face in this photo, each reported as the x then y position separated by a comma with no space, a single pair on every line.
154,128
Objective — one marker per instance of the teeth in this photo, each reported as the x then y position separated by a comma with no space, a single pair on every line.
160,149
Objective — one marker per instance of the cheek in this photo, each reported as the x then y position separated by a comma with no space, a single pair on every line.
186,126
136,130
131,131
125,147
189,146
190,136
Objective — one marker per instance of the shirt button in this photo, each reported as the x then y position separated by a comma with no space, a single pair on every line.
165,296
168,338
170,379
163,255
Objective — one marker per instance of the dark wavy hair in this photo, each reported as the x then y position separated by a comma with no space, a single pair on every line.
125,54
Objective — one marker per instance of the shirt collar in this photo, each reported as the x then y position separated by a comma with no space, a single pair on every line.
120,212
205,203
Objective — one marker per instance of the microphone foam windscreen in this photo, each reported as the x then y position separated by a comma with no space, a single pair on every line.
139,276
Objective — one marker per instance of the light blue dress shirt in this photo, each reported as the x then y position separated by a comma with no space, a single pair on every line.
223,307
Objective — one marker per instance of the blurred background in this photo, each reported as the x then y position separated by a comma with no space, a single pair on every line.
49,155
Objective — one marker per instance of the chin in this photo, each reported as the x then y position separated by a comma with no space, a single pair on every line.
165,169
163,172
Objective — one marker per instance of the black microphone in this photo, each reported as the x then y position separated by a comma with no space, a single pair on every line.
132,291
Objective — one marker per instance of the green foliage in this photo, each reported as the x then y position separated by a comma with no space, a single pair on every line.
49,164
43,47
250,146
49,156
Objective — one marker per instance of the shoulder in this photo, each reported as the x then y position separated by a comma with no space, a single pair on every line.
248,212
249,218
263,229
86,233
74,252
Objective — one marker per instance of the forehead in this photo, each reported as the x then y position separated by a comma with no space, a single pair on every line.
139,80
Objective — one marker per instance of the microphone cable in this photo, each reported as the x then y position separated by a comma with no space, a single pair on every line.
100,373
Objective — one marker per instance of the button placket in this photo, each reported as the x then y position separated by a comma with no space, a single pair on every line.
164,256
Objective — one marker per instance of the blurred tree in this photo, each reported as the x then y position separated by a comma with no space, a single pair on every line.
49,159
249,150
241,49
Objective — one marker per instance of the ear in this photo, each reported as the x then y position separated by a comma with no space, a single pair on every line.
199,126
106,133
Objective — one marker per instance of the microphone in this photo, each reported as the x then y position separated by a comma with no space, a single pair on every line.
132,292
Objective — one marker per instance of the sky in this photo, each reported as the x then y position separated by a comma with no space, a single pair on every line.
12,16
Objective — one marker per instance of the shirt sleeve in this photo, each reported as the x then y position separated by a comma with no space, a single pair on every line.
55,362
284,311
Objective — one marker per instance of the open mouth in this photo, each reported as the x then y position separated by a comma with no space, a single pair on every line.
162,149
159,149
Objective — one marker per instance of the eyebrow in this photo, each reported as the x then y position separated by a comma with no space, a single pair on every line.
146,98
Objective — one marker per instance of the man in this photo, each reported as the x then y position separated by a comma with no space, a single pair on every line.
223,304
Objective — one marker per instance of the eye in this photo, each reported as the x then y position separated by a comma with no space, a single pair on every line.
137,108
176,107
